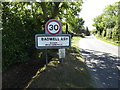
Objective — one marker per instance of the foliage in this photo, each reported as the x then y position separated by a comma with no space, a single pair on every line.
18,33
115,34
107,23
87,31
103,33
22,20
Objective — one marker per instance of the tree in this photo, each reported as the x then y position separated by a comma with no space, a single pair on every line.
107,23
99,23
22,20
87,31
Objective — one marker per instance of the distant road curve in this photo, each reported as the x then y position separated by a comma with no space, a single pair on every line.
102,60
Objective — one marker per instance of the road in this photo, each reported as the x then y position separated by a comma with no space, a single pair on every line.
102,61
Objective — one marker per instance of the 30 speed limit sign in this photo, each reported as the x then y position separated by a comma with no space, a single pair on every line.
53,27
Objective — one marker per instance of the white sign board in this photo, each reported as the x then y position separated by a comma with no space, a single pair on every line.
53,41
62,53
49,41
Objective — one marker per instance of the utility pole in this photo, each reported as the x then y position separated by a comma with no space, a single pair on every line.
66,28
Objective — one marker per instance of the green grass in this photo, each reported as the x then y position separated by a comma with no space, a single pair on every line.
109,41
75,41
72,74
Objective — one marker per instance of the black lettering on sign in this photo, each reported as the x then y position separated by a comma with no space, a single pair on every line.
45,38
56,27
66,38
53,27
42,39
61,38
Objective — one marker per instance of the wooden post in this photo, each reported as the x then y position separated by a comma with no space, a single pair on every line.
66,28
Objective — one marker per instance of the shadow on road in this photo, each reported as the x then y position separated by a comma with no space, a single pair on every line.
103,68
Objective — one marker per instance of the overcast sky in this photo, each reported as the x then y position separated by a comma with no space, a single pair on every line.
93,8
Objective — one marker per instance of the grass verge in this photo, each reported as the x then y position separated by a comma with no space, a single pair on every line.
72,74
75,41
109,41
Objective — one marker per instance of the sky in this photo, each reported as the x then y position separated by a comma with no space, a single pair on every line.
93,8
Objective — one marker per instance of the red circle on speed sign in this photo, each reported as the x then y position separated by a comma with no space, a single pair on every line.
53,26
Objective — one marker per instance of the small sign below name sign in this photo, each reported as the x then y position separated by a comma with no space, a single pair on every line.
44,41
62,53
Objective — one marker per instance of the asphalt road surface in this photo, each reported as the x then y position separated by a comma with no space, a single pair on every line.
102,60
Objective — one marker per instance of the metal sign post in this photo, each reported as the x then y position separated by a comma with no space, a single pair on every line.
46,57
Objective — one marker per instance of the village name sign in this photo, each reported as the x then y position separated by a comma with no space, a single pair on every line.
53,37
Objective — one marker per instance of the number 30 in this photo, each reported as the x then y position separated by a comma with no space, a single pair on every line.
53,27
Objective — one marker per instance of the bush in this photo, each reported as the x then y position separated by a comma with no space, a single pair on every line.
98,34
115,34
109,34
103,33
83,35
18,44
